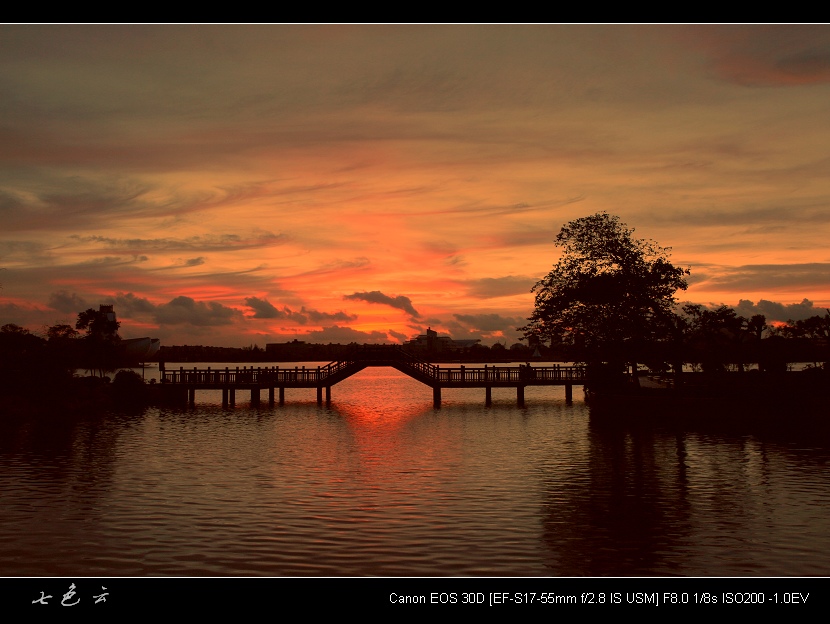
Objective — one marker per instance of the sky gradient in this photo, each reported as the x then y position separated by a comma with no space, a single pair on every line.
237,185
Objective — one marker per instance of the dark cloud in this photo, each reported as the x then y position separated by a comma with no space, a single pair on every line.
346,335
400,302
13,313
9,202
148,135
807,67
186,311
774,311
441,248
66,302
769,56
317,317
181,310
264,309
216,242
22,249
537,206
33,199
485,326
337,266
93,279
489,322
770,277
757,218
489,287
459,331
398,336
130,306
487,210
115,261
70,202
529,238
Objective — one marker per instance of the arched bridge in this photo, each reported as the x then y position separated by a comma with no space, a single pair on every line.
324,377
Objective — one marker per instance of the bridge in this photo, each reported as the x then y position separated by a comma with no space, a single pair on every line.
185,382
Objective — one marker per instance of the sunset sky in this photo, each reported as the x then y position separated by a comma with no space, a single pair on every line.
237,185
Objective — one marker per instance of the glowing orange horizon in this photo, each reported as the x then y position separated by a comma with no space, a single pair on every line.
219,205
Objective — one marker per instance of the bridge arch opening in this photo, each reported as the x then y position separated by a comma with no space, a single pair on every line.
323,378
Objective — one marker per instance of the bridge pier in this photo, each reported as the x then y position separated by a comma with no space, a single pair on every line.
184,383
179,395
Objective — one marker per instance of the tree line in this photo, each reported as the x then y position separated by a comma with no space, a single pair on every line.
91,345
610,302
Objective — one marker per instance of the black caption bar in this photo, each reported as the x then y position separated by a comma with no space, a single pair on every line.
398,595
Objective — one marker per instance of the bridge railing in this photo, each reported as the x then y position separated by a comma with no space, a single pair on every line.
389,353
275,375
510,374
334,367
254,376
556,373
423,368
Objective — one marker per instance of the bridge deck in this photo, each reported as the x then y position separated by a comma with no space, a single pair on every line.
301,377
320,377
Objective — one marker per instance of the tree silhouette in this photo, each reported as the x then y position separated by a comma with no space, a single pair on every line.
719,337
100,354
21,353
609,294
816,330
815,327
64,351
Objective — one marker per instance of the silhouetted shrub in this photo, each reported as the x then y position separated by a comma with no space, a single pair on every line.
128,389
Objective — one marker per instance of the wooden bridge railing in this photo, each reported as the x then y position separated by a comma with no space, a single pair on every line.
276,375
254,376
510,374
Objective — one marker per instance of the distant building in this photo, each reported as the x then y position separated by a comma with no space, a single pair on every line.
296,349
132,349
108,310
140,349
431,342
301,351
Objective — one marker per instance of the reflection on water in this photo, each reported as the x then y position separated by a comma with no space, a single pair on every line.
381,483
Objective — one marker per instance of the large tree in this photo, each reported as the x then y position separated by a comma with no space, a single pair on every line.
100,352
718,337
609,295
816,331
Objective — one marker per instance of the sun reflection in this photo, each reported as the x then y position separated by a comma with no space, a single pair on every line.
381,406
381,409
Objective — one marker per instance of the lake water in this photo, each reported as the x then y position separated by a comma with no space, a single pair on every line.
380,482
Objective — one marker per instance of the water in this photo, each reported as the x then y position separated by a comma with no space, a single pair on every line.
381,483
